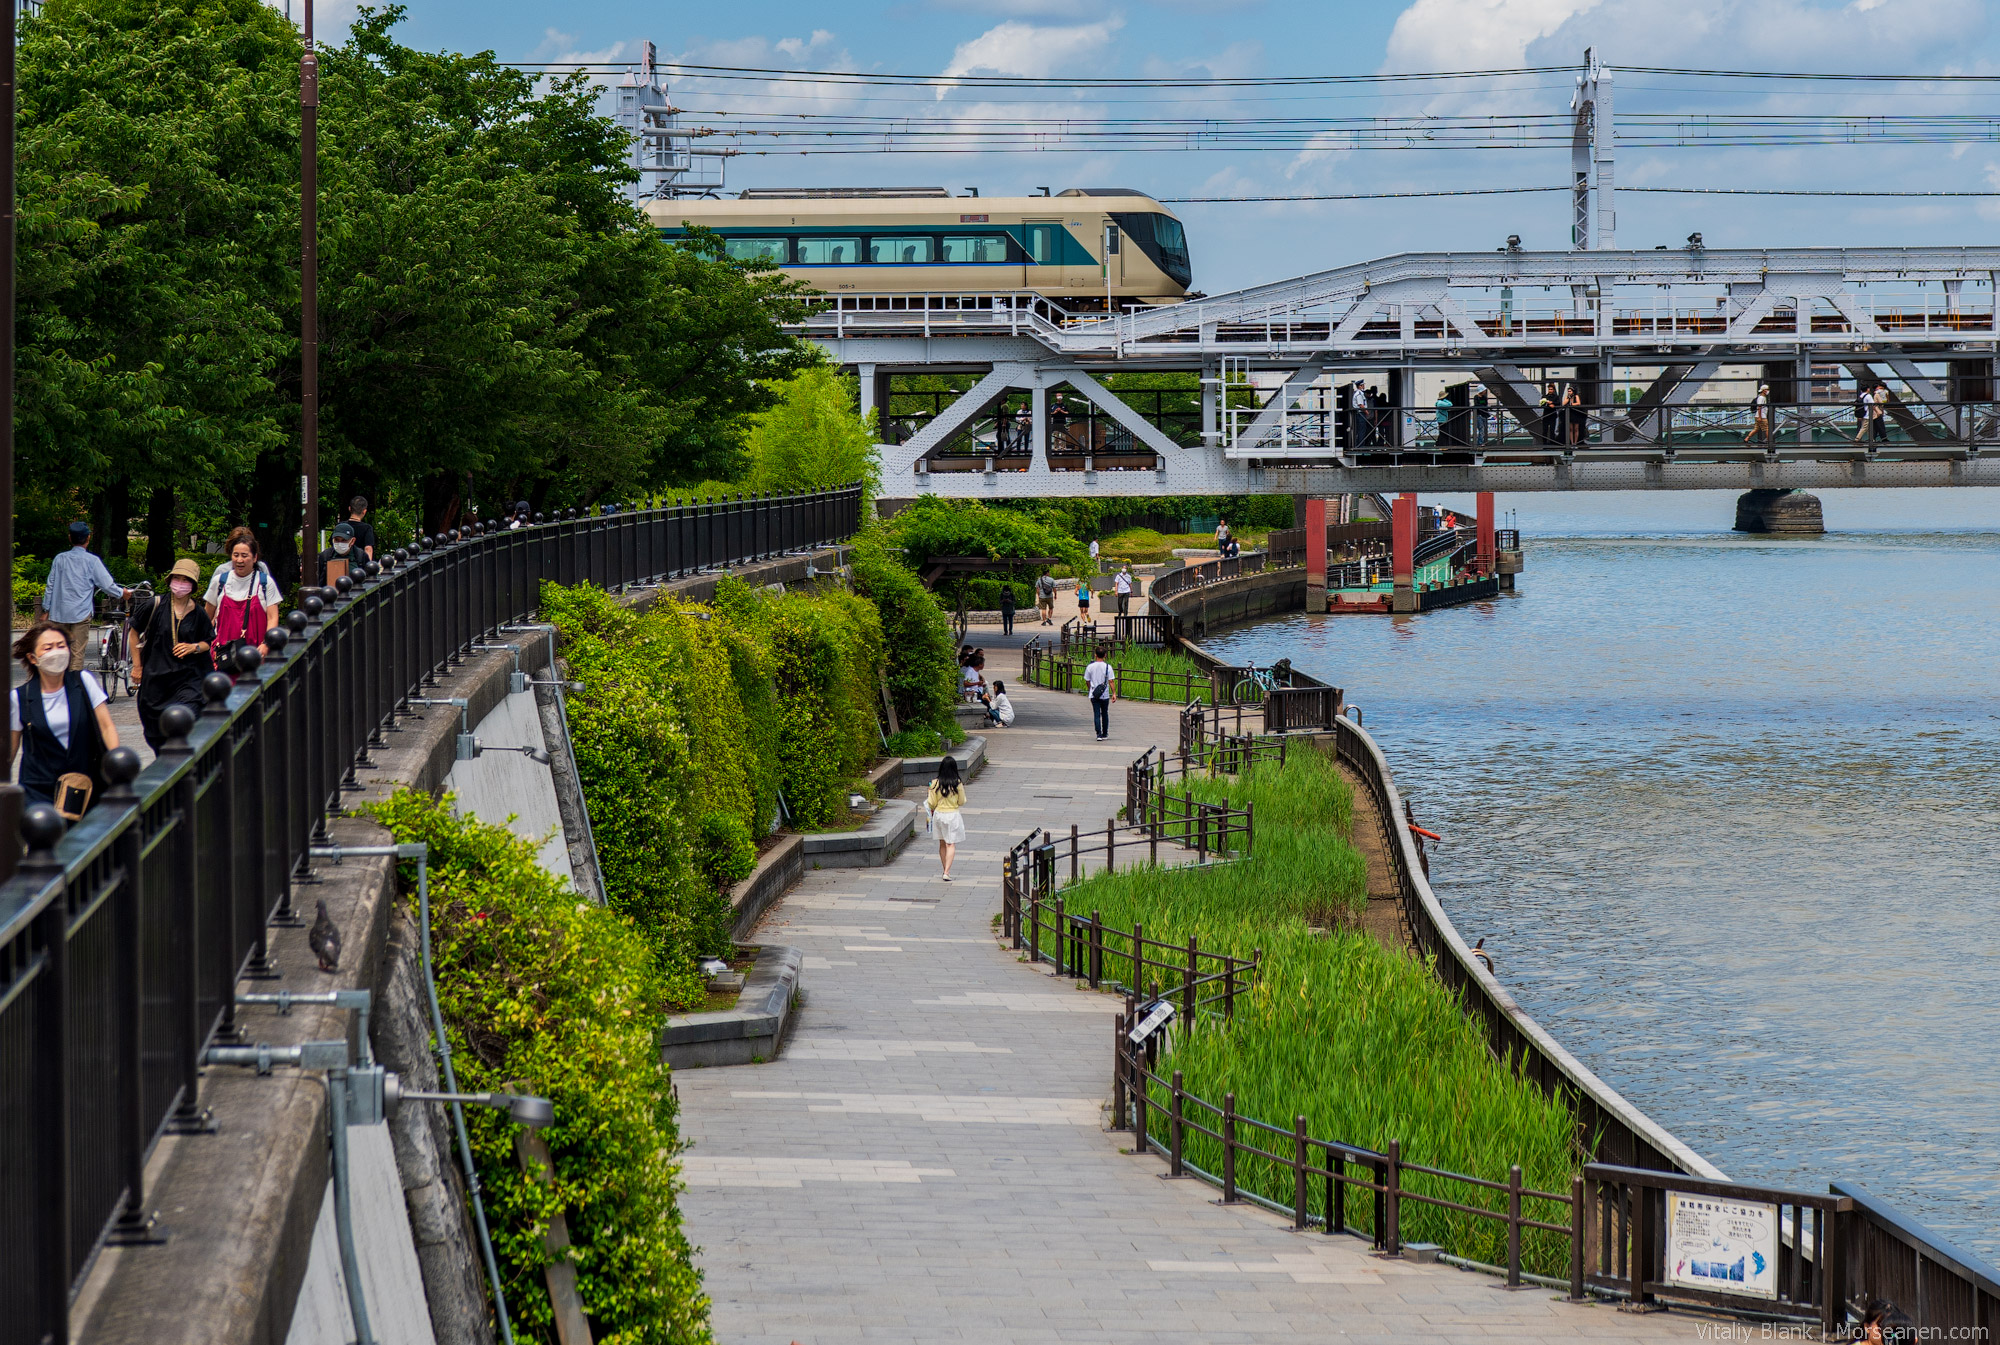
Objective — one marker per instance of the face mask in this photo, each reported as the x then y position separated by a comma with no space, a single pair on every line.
340,548
181,587
54,663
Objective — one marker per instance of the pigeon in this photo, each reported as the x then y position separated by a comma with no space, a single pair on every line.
324,939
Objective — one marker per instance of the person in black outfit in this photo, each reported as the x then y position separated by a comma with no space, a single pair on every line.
1006,609
62,725
362,531
175,639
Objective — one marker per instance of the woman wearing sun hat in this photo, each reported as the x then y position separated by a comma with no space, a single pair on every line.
171,639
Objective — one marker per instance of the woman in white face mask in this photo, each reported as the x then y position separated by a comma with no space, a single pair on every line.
60,716
172,638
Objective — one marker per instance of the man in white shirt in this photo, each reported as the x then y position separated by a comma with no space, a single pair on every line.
1122,586
1101,680
1093,553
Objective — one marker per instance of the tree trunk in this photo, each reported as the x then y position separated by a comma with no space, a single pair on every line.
272,511
160,530
111,519
441,503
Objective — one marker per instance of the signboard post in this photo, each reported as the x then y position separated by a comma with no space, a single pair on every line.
1722,1246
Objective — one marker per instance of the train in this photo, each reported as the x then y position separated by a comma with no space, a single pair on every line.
923,240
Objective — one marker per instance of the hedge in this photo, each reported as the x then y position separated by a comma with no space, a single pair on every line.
565,997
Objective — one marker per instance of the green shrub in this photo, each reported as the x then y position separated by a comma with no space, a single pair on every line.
564,996
1367,1044
814,438
826,651
922,663
912,743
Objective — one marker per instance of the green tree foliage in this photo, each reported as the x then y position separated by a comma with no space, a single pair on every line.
540,988
496,320
814,439
934,527
922,666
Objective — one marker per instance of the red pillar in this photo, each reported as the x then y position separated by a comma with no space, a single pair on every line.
1403,531
1486,558
1315,555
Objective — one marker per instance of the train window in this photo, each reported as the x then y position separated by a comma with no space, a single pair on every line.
975,247
1169,234
1042,244
829,251
773,250
905,251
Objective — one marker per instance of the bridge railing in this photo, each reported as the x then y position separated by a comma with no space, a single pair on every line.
121,942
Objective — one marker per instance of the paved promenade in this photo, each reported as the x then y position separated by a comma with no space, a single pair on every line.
926,1160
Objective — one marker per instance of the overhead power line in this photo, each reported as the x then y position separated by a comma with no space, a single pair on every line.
776,74
1517,191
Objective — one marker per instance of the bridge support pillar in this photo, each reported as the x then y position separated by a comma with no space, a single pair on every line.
1315,554
1485,544
866,379
1403,534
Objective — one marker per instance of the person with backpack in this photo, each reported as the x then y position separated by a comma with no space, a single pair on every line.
1100,679
172,645
62,724
1083,599
1006,609
242,598
943,801
1045,598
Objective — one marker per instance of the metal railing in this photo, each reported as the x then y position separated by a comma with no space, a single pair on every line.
1063,671
1198,574
121,942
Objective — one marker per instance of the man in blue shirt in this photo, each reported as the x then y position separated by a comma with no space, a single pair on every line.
69,598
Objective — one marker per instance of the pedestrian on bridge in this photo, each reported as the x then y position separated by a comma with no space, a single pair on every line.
172,640
61,720
69,597
1760,410
1550,405
1879,413
1573,415
1443,409
1100,679
1482,410
1864,407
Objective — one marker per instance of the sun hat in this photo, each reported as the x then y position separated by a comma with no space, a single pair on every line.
185,568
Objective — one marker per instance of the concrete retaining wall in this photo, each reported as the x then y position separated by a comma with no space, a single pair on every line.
1233,601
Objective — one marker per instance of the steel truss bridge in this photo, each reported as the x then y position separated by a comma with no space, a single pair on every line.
1665,351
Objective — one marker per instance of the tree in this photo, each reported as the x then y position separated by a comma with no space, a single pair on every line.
814,439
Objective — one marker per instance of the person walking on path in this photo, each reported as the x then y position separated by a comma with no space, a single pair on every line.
1083,599
1006,609
1045,598
1573,415
171,644
946,797
60,719
69,599
1482,410
1122,586
1546,430
1879,413
1760,416
1093,553
242,598
1100,679
1864,406
359,528
1443,410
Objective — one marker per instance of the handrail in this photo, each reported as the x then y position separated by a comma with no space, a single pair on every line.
119,951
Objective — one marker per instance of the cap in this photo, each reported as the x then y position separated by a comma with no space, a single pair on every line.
185,568
79,529
343,532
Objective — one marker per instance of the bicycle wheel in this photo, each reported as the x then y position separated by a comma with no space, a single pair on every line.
1247,692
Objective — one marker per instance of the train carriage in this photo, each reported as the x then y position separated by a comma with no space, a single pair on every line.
874,240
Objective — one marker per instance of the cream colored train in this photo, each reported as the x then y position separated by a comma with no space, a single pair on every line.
922,240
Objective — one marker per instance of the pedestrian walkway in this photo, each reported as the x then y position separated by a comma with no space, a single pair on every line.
927,1159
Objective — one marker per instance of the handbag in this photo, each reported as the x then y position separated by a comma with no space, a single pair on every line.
72,794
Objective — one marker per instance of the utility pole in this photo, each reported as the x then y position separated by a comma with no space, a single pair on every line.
7,309
308,299
1590,155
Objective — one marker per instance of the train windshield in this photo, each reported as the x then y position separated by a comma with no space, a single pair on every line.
1163,241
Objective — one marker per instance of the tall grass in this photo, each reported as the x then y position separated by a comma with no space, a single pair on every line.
1365,1043
1175,677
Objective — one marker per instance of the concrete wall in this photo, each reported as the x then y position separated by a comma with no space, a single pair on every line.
392,1284
1233,601
509,788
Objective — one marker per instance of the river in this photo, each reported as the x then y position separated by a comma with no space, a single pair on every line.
1725,809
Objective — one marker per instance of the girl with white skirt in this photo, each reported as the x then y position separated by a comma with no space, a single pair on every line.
946,797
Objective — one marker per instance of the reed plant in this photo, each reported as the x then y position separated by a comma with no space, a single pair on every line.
1364,1042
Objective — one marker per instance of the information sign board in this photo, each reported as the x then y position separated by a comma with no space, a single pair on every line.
1722,1246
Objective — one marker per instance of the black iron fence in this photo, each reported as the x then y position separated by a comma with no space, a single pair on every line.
122,940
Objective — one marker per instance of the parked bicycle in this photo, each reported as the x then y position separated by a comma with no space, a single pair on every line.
1256,682
114,658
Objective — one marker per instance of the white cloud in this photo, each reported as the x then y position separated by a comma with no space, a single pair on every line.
1474,34
1024,9
1032,50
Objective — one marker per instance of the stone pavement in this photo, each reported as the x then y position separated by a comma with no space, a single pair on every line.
926,1159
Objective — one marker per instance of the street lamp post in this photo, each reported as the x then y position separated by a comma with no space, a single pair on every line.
308,298
7,310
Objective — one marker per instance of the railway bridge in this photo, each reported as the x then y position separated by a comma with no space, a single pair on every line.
1689,368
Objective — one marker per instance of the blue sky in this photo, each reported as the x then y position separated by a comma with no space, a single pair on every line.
1236,245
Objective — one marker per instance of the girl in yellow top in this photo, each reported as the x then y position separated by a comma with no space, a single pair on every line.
946,797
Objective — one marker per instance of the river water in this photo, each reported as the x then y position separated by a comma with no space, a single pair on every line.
1725,808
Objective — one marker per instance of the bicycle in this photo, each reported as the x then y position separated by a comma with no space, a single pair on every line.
1257,682
114,661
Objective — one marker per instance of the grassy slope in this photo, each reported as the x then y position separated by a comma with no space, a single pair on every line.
1365,1043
